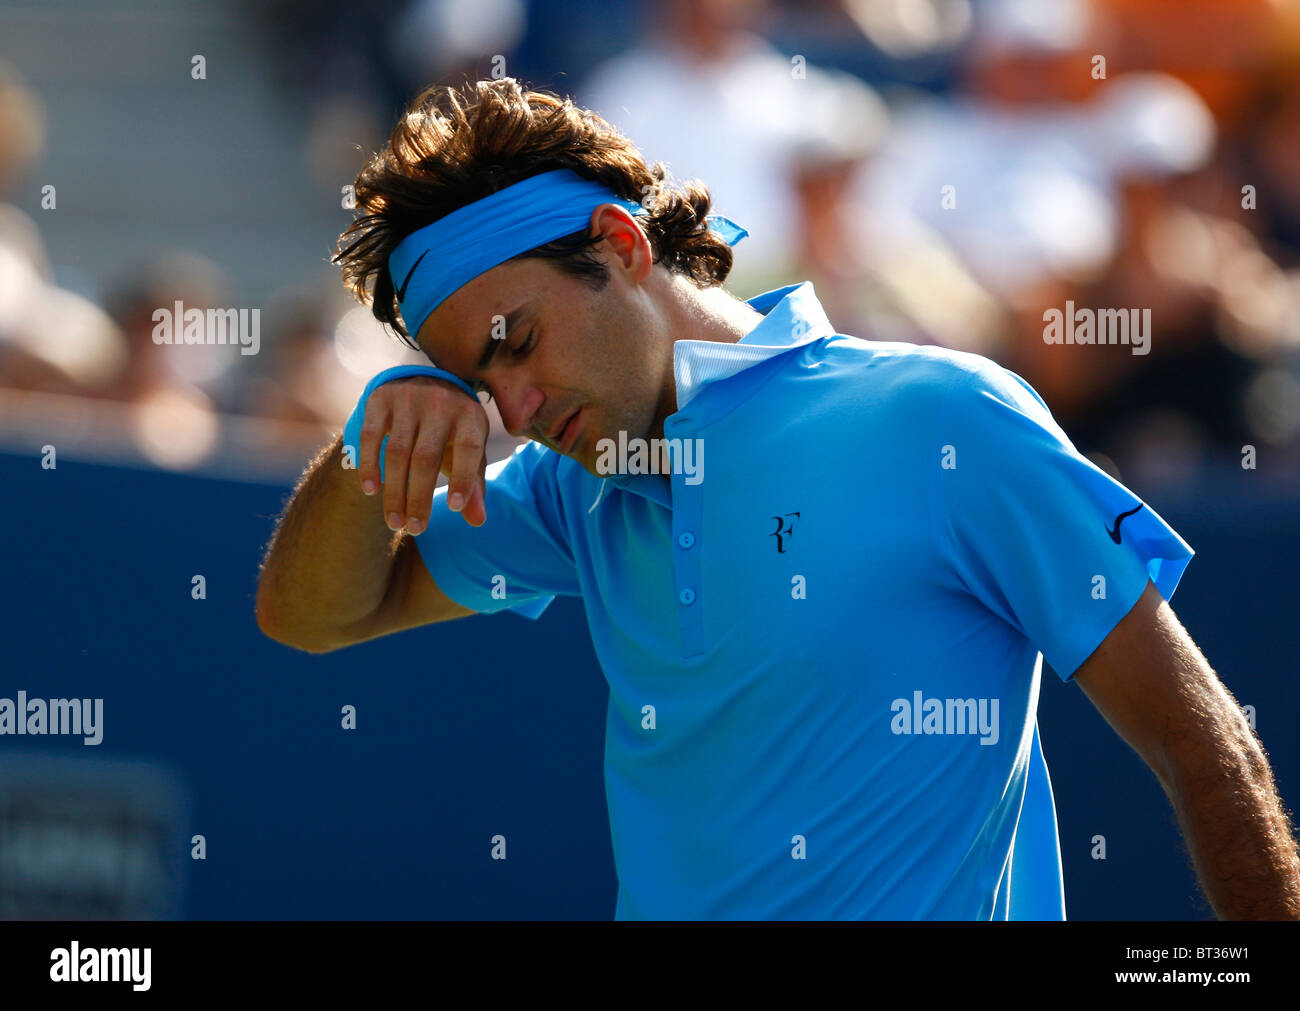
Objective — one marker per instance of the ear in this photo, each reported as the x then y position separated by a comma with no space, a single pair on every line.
627,246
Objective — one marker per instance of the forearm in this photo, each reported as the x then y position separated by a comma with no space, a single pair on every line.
330,561
1236,829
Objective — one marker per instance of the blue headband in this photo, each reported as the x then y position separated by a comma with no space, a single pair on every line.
475,238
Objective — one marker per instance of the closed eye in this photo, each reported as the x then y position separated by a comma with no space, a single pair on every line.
480,386
525,347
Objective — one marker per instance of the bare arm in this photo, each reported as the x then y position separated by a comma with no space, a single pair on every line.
1159,693
337,572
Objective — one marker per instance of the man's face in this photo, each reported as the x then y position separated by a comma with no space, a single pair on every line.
567,348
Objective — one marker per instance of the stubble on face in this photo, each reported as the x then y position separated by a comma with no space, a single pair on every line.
626,359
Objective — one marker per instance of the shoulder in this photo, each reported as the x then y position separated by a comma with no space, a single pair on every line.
914,377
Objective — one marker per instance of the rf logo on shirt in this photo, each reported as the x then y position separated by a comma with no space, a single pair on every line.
784,529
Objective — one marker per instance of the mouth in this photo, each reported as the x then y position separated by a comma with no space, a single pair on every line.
566,432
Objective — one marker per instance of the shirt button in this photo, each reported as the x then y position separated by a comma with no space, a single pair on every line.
687,539
687,596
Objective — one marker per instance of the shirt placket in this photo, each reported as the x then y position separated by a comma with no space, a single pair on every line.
688,543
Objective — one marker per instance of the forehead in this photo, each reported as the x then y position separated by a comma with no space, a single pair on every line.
456,330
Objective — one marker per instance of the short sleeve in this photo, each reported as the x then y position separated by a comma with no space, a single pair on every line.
519,559
1037,532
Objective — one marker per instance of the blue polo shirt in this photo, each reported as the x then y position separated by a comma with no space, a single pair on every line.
824,648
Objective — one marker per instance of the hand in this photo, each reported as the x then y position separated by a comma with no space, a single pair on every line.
432,428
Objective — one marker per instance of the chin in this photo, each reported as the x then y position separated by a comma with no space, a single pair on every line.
585,456
586,453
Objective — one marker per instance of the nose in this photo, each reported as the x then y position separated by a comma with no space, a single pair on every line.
518,406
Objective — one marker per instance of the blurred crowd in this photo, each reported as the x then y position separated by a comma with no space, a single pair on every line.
944,171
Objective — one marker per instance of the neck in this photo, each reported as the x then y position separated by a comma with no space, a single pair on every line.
716,315
709,314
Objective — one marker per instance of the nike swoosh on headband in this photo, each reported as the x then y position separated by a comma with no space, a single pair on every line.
401,292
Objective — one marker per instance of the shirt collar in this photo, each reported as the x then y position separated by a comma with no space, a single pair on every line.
792,317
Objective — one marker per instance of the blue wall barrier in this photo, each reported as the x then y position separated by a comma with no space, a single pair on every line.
482,727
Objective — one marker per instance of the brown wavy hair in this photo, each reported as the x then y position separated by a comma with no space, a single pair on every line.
450,149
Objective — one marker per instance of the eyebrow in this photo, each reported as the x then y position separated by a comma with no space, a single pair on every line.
490,348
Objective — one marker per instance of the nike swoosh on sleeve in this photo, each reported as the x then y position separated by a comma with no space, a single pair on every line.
1114,534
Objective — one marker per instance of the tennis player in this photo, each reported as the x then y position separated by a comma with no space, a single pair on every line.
820,572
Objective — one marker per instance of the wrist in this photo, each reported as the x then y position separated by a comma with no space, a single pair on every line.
351,443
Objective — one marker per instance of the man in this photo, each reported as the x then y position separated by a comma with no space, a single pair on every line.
822,636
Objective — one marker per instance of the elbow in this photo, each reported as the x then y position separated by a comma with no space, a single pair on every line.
272,625
268,617
298,639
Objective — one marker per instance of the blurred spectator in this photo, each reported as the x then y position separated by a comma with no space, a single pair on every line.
776,141
1051,182
157,285
1021,176
1215,46
957,218
881,41
1266,155
50,339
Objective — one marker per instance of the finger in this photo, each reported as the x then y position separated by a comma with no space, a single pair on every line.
426,461
475,511
467,448
373,430
401,439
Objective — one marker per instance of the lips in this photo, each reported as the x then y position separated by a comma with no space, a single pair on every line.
557,433
569,431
